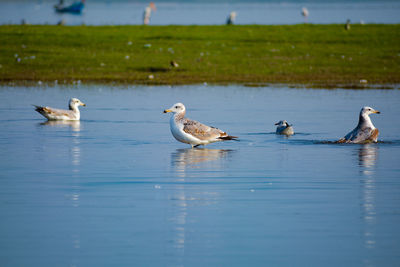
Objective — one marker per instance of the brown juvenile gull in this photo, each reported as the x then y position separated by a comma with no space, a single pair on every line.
365,132
72,114
284,128
193,132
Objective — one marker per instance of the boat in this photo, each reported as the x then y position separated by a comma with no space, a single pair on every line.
75,7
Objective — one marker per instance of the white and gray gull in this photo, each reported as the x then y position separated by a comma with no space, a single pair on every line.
365,132
72,114
193,132
284,128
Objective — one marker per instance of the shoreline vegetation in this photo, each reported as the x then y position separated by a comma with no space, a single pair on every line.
306,55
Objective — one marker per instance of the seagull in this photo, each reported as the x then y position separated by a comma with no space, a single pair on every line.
284,128
347,25
147,13
365,132
305,13
231,18
193,132
72,114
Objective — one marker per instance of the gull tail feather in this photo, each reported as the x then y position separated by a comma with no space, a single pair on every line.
38,108
229,137
341,141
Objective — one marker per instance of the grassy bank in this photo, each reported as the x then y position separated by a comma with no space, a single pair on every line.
314,55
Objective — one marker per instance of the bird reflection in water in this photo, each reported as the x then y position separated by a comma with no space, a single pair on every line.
75,150
75,126
367,157
75,156
191,163
195,158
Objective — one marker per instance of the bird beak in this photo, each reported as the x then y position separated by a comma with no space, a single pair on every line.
167,110
277,123
377,112
83,104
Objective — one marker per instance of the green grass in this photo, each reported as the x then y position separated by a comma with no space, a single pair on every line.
314,55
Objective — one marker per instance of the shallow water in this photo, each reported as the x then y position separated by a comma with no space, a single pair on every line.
117,190
106,12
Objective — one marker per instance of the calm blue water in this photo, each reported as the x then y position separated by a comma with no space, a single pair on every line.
102,12
116,189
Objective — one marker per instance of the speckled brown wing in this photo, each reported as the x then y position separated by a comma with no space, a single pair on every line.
358,135
58,112
201,131
374,135
53,113
363,135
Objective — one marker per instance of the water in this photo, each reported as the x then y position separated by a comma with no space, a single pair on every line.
98,12
117,189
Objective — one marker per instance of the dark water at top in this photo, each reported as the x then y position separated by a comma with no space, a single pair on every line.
202,12
117,190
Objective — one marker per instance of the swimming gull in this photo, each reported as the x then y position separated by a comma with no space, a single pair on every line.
193,132
72,114
365,132
284,128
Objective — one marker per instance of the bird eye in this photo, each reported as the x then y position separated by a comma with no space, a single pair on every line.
176,106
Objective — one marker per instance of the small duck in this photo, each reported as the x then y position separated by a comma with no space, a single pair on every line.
72,114
284,128
365,132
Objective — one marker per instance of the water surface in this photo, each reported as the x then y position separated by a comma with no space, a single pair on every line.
122,12
116,189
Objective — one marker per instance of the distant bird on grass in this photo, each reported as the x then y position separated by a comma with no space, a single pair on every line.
61,22
173,64
193,132
284,128
365,132
231,19
147,13
304,13
72,114
347,25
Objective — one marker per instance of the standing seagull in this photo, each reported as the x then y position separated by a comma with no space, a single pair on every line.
305,13
193,132
72,114
284,128
231,18
365,132
347,25
147,13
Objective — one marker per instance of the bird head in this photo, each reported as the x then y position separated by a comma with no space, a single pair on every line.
368,110
177,108
74,102
282,123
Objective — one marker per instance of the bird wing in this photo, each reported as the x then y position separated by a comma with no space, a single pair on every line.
202,131
363,135
58,112
55,113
